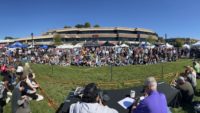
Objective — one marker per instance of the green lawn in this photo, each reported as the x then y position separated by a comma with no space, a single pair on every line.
58,81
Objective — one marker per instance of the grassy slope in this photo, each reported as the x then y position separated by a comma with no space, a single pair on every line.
61,80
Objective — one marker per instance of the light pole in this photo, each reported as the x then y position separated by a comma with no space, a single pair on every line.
165,38
32,38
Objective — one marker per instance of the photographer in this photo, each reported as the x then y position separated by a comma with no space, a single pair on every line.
90,102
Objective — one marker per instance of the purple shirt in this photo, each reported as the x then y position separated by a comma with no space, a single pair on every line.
154,103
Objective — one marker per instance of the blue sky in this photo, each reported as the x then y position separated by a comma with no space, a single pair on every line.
177,18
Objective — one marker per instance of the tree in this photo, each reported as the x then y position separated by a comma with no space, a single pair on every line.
96,25
67,26
8,38
87,25
151,40
57,39
161,40
179,43
79,26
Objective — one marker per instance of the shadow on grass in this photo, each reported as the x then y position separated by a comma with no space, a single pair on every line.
197,93
188,108
59,110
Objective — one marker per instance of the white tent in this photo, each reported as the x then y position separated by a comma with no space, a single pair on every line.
151,46
79,45
167,45
145,43
124,45
186,46
196,44
65,46
116,46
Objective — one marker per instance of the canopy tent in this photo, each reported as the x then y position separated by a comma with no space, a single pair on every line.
108,44
186,46
150,46
196,44
65,46
116,46
91,44
167,45
124,45
31,46
18,45
79,45
146,45
44,47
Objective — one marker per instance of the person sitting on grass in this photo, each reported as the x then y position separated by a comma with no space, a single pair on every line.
33,85
191,76
30,92
91,102
154,102
19,101
186,90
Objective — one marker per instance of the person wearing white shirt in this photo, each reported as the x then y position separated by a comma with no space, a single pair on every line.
91,102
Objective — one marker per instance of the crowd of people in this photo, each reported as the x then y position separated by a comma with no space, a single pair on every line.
92,56
187,82
19,87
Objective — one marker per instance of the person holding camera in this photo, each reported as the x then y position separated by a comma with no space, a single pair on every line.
91,102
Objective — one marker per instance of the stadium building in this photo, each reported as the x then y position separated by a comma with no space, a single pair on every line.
69,35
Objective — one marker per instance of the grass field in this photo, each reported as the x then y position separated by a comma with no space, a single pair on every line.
58,81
